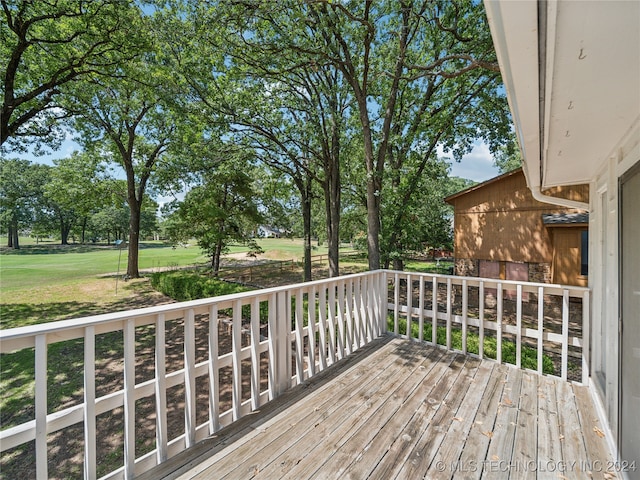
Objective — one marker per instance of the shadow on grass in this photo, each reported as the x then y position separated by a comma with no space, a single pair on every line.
48,249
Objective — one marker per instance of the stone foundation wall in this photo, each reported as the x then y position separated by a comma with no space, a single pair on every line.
540,272
466,267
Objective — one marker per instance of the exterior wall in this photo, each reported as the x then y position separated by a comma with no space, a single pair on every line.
604,261
469,267
501,221
566,264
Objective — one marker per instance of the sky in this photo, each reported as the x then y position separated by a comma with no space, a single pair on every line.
476,166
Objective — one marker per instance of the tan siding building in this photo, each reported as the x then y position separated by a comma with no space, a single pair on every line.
501,231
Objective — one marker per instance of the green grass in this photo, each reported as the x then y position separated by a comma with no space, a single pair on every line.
529,355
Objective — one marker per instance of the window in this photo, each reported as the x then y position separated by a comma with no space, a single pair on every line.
584,253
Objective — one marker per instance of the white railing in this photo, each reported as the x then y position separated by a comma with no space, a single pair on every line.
542,320
301,329
249,348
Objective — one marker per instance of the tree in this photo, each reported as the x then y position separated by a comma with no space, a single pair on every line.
130,122
47,45
399,59
218,211
21,189
77,187
508,156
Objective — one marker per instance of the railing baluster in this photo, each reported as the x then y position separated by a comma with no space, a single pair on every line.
311,322
236,345
161,389
340,320
540,328
434,308
481,320
255,354
273,347
331,319
349,340
89,403
41,406
189,378
299,337
323,326
465,305
396,304
409,305
565,331
449,309
421,310
129,335
499,332
214,374
519,326
366,298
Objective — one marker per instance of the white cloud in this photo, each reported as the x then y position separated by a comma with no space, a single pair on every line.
476,165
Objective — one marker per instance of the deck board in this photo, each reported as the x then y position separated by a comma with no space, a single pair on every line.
402,409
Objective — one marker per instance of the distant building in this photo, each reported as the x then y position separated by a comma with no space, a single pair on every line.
269,232
501,231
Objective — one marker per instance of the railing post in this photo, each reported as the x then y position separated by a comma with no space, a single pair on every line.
481,320
396,302
190,378
89,403
565,332
586,338
129,334
465,307
311,323
434,309
421,309
214,374
540,328
41,406
519,326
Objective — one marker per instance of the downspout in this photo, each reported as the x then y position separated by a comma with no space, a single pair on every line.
542,76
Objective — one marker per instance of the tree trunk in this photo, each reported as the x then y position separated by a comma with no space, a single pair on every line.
10,237
306,221
14,235
332,204
134,238
215,261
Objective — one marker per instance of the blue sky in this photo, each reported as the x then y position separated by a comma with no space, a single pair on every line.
477,165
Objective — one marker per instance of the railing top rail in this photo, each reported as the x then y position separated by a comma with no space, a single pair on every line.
93,320
459,278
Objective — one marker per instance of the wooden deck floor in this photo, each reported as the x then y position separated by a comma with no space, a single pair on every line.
400,409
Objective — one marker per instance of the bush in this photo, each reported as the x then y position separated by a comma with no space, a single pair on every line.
183,286
529,355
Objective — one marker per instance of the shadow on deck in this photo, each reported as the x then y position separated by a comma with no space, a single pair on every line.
401,409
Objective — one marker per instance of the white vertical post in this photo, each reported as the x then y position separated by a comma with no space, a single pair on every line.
499,333
273,347
349,340
519,326
565,331
367,305
161,390
465,307
311,322
340,320
421,309
357,317
409,305
214,374
89,403
586,339
255,354
283,329
384,301
331,319
322,300
540,328
299,337
129,398
434,306
41,406
236,345
190,378
449,309
481,320
396,303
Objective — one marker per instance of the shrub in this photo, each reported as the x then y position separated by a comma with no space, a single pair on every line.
183,286
529,355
